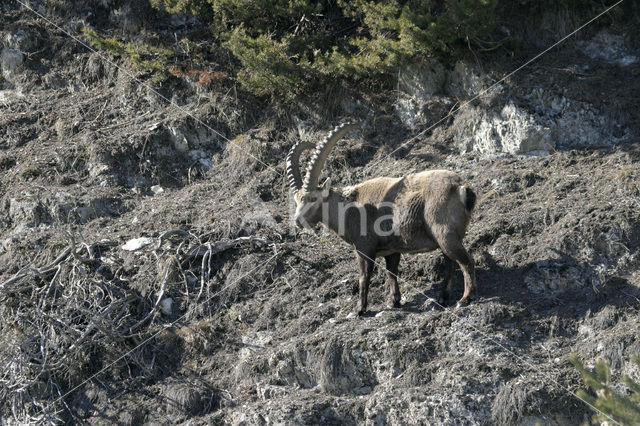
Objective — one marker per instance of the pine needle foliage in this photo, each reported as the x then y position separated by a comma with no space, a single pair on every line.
611,405
144,58
289,47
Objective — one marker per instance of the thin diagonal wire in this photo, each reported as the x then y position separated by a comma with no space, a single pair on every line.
368,166
482,92
146,85
147,340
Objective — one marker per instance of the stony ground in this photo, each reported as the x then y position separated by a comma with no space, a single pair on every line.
185,328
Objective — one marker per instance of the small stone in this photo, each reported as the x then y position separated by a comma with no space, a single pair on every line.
137,243
351,315
10,63
157,189
166,306
180,142
205,163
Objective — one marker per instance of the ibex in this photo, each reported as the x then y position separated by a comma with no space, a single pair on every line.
387,216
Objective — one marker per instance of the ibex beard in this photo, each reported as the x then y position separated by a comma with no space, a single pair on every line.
386,217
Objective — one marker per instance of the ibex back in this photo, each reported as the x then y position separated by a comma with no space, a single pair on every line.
387,216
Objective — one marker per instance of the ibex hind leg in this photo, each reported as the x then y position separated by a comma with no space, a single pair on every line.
392,261
449,268
454,250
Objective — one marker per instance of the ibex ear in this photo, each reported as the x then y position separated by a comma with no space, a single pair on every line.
325,187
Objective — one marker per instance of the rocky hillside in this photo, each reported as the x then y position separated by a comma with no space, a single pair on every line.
149,272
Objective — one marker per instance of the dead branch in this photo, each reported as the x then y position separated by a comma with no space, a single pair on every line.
82,302
170,233
221,246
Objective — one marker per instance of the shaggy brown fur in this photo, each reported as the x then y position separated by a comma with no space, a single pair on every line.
385,217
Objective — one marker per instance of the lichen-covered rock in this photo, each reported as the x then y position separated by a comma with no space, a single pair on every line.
187,136
408,110
10,63
423,80
511,131
412,406
27,211
574,123
464,81
609,48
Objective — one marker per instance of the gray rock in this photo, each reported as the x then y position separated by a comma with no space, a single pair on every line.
574,123
27,212
10,63
409,111
137,243
180,142
254,342
464,82
554,276
266,392
609,48
70,208
511,131
157,189
412,406
423,80
187,137
20,40
584,127
343,370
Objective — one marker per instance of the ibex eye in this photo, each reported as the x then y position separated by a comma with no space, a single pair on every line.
313,199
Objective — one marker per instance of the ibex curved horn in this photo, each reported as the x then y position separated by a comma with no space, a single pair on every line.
321,153
293,164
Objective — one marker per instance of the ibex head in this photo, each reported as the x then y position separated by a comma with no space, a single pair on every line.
310,195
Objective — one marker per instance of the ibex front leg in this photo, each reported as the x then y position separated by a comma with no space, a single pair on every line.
365,262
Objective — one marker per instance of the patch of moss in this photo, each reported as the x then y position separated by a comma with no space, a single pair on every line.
30,173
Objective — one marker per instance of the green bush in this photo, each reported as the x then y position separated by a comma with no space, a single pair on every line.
148,59
623,409
289,47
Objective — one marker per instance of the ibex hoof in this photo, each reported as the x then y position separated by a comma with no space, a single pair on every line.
394,304
462,304
360,310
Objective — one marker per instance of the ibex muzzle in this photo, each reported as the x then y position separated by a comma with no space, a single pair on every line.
387,216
